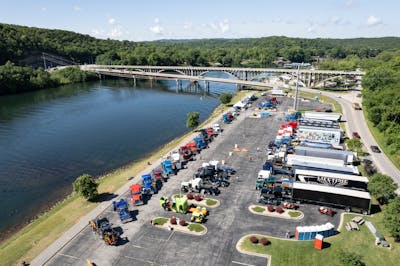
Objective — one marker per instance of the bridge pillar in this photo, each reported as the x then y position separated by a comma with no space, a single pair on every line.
207,86
134,81
178,84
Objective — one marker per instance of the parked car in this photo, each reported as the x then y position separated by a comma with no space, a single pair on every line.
375,149
356,135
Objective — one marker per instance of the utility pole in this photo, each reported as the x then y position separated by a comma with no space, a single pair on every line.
44,61
297,89
295,104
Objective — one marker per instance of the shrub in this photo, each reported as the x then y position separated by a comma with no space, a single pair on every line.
86,186
350,259
182,222
271,208
173,220
264,241
198,197
189,196
253,239
279,209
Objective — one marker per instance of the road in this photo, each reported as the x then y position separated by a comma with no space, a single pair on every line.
357,122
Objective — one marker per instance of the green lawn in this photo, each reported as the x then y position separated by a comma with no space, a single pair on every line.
286,252
160,221
258,209
294,213
211,202
196,227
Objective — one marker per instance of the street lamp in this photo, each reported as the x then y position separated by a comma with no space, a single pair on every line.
297,82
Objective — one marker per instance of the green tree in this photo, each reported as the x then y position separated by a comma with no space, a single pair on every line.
350,259
193,120
86,186
354,145
382,188
392,218
225,98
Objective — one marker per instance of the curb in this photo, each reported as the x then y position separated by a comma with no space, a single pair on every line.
284,215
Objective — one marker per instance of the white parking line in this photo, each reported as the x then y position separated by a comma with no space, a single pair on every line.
136,246
146,261
241,263
69,256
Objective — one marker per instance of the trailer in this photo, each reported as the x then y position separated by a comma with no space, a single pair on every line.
331,179
349,199
292,159
323,116
346,156
345,169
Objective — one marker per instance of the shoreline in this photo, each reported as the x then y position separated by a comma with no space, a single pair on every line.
26,243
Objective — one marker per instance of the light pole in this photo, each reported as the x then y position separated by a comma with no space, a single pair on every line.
297,83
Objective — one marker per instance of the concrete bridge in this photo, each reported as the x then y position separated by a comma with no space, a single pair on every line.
241,76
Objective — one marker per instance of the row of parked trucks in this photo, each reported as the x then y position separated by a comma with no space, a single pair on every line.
152,182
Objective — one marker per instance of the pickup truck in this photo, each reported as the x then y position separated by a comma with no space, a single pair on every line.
356,106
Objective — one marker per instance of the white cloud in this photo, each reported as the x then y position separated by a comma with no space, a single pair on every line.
349,3
43,9
373,21
224,26
112,21
116,32
98,33
157,28
188,25
77,8
310,30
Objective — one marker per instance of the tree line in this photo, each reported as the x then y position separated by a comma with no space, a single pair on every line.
16,79
19,42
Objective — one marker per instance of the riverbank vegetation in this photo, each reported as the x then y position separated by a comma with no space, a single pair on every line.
16,79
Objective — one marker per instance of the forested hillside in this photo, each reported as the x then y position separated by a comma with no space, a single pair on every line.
18,42
381,99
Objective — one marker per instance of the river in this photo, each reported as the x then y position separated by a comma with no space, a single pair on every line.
49,137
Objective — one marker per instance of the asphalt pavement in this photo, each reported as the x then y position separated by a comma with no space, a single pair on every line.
143,244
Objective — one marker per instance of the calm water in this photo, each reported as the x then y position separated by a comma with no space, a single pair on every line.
48,138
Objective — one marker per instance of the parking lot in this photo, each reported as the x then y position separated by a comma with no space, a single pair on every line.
143,244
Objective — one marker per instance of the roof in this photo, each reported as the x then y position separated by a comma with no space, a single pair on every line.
345,168
322,115
331,151
331,175
319,123
333,190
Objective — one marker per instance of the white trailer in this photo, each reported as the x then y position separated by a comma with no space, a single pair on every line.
346,156
323,116
292,159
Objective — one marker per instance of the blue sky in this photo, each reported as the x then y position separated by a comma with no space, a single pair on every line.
175,19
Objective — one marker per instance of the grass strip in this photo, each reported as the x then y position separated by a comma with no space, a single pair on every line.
35,237
211,202
196,227
294,213
258,209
